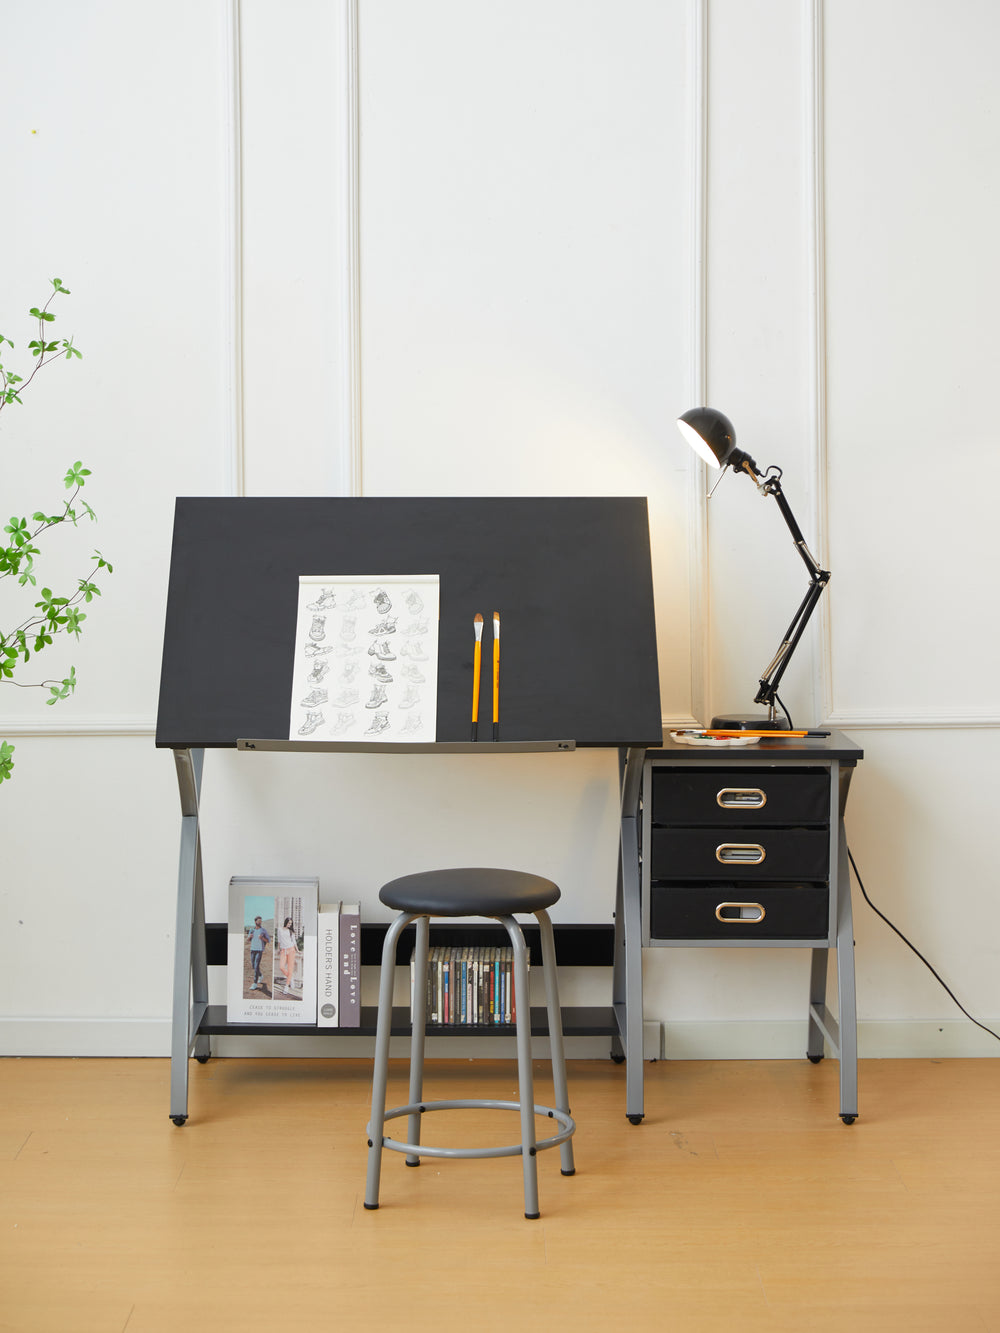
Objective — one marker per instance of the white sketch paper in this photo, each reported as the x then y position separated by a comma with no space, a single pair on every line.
365,658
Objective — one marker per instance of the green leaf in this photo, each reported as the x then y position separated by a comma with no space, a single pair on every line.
76,475
41,314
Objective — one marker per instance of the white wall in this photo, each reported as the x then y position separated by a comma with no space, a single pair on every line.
469,248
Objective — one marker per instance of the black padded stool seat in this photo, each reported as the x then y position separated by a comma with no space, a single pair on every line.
469,892
476,891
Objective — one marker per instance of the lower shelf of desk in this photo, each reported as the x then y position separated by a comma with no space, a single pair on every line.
578,1021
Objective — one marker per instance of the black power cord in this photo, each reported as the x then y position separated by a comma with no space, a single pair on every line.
926,964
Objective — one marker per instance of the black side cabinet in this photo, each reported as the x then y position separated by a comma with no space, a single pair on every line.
744,847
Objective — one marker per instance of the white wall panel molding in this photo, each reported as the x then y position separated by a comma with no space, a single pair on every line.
349,157
910,720
699,588
94,725
232,122
813,194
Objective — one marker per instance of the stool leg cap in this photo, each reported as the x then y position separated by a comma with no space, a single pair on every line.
371,1207
532,1217
568,1173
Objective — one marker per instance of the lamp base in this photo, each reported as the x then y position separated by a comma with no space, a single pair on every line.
749,722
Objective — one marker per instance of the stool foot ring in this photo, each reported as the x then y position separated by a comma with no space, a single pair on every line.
475,1104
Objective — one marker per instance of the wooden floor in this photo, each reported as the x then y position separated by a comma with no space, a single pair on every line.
741,1203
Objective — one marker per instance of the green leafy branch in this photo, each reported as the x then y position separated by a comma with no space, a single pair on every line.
54,613
43,349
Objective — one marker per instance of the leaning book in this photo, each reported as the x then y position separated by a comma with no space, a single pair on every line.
271,971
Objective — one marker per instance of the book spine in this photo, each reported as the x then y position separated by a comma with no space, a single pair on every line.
350,965
328,966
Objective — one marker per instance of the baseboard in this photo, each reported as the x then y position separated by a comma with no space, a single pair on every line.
780,1039
784,1039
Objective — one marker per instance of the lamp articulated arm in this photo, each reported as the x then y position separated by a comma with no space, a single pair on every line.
818,579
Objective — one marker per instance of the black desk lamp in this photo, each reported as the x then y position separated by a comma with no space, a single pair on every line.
711,435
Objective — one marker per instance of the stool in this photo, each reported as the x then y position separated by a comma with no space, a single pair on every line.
460,893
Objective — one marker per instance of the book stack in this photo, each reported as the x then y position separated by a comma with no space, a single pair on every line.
338,997
292,959
469,986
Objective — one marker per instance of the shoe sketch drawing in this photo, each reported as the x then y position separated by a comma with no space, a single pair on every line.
313,720
380,723
414,673
382,604
348,628
345,698
414,603
411,697
344,722
326,601
356,601
412,724
317,629
416,627
313,698
350,670
386,626
382,651
380,673
378,697
319,670
314,650
414,650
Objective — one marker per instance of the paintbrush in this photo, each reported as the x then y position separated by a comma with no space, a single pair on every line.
477,625
496,675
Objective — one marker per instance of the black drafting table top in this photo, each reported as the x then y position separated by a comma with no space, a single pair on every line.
571,578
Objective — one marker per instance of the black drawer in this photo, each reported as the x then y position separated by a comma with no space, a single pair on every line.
724,796
739,912
740,853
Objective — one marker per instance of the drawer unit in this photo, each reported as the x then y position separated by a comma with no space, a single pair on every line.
737,852
743,847
739,912
764,796
741,853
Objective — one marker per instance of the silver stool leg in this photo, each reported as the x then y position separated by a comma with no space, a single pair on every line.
418,1017
380,1071
557,1054
525,1080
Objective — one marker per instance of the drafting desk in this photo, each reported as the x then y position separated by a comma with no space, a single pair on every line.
571,578
744,847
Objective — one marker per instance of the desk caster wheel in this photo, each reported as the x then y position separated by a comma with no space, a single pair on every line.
635,1119
203,1059
848,1119
617,1059
179,1120
813,1059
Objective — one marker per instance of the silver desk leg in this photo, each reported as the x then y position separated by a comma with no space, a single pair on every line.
190,966
847,996
627,974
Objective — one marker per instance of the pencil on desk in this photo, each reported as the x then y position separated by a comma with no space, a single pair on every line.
477,624
496,675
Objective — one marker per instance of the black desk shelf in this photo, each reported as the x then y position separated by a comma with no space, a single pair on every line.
578,1021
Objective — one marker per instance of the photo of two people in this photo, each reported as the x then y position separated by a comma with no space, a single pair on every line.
272,947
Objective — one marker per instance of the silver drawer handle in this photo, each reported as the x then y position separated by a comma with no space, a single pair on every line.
741,798
740,914
740,853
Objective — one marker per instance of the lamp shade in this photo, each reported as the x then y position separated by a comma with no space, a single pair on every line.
711,434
